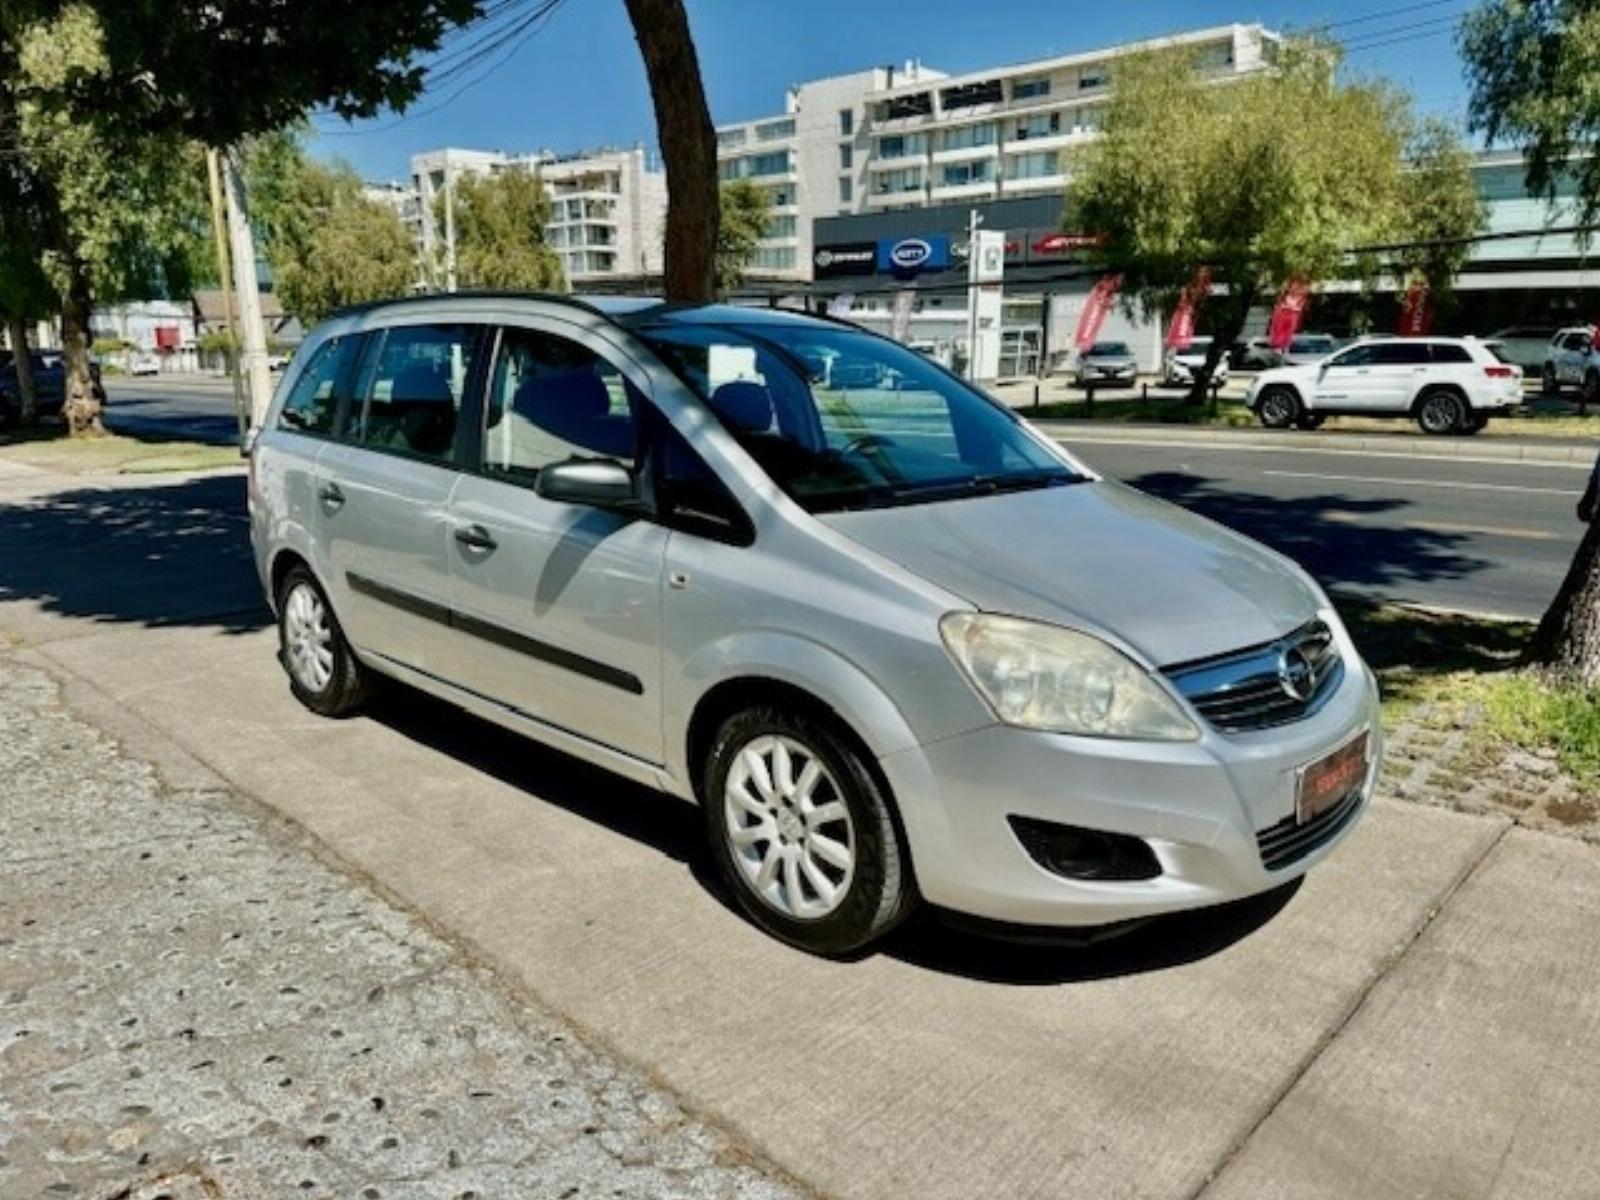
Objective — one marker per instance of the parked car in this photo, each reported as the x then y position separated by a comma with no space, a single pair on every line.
1254,354
143,364
1307,348
1106,363
1524,345
1449,385
49,385
935,351
1179,367
1570,361
901,650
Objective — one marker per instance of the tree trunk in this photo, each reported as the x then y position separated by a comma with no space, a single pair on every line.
1224,334
688,147
1568,638
82,406
27,398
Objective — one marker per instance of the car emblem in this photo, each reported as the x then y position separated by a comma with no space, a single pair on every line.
1295,675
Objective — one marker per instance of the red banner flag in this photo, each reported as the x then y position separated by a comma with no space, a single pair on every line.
1416,312
1287,313
1101,297
1181,332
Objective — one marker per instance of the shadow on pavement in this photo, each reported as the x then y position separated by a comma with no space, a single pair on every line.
1332,536
163,554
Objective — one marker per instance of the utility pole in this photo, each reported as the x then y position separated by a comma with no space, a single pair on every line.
225,277
449,228
974,219
254,331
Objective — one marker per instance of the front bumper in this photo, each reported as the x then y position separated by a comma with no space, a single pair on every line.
1200,806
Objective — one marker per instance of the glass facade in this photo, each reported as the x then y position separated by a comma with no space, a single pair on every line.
967,136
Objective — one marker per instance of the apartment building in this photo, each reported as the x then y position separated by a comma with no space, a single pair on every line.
608,207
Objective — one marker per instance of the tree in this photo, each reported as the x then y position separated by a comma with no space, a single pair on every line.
746,218
688,147
499,228
25,291
329,245
1535,81
118,215
1439,203
1263,179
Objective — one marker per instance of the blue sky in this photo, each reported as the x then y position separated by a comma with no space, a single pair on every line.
578,82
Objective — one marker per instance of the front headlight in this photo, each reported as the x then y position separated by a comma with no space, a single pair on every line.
1044,677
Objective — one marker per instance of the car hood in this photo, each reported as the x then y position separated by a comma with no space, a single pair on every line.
1298,373
1172,585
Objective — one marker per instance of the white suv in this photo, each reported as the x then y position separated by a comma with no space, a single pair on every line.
1449,385
1570,361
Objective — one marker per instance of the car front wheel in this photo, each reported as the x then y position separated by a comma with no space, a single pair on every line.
323,672
1441,413
802,832
1278,408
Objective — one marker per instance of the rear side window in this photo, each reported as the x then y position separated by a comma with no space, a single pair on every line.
551,399
1399,354
1449,352
313,403
415,389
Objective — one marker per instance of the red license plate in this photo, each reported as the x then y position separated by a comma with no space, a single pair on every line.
1324,783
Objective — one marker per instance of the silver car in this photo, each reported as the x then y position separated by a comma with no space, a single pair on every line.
897,644
1107,363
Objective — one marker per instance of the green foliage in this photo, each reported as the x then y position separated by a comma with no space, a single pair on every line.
329,245
746,216
500,240
1535,78
1268,177
1439,203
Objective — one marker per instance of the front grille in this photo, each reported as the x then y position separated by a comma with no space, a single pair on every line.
1249,689
1286,842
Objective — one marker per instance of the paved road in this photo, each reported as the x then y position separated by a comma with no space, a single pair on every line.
1480,536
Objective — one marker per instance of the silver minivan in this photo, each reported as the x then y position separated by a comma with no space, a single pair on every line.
896,643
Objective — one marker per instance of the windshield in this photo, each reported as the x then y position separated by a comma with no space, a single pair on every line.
1197,348
1109,350
842,419
1311,346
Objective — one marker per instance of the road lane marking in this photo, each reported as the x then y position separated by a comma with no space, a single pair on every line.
1505,531
1428,483
1196,447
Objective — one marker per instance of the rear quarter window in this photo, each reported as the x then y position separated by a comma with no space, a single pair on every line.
1447,352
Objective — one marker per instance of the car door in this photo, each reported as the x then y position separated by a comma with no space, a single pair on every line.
1342,382
557,606
1570,361
384,489
1395,374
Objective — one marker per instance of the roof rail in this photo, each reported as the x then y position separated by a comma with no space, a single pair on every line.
473,294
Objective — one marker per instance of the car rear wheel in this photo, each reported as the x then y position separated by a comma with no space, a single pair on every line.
1441,412
802,832
323,672
1278,408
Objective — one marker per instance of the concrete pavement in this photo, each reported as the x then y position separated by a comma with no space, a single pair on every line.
1373,1033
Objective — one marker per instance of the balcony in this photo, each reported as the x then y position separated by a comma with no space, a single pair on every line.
1032,184
917,195
1042,142
962,191
965,153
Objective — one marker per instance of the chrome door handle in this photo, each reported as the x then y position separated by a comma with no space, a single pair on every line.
476,537
331,496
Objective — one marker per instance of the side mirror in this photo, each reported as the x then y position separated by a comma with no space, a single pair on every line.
597,482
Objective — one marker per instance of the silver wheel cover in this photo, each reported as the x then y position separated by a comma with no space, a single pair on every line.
308,638
789,830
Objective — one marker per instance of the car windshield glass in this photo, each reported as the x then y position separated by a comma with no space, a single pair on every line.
844,419
1109,350
1499,351
1197,348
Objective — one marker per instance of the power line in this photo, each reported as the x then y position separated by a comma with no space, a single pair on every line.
1385,13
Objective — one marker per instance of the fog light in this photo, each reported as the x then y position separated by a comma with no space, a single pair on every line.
1076,853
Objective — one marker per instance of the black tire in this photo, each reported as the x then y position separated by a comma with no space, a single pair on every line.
348,684
1589,389
1278,407
1309,421
1440,412
1548,383
1476,422
879,892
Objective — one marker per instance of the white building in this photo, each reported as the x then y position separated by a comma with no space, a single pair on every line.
608,207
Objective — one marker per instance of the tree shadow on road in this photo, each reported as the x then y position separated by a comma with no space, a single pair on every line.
138,553
1339,539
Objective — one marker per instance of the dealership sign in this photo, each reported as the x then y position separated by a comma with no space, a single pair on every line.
908,255
845,258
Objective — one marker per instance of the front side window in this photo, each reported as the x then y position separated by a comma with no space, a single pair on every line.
313,403
415,390
1399,354
1356,356
551,399
842,419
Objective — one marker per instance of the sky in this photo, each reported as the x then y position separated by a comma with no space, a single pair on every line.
576,81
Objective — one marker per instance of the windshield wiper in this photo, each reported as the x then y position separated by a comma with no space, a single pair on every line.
987,485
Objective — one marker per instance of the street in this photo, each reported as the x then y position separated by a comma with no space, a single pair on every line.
194,407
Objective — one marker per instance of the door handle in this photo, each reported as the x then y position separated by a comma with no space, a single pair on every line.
331,496
476,537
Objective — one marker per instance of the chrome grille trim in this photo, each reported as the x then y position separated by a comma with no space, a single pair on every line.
1241,691
1286,842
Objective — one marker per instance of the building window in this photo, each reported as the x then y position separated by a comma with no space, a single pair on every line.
1029,89
781,195
773,258
775,163
847,122
902,145
1034,166
781,227
969,94
967,136
845,156
918,105
845,190
907,179
1093,77
730,137
1089,120
774,130
980,170
1041,125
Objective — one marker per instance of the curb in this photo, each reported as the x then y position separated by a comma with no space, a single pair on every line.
1393,443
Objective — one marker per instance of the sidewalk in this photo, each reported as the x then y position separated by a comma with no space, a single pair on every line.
1416,1020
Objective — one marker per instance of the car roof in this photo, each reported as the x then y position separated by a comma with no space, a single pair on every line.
620,310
